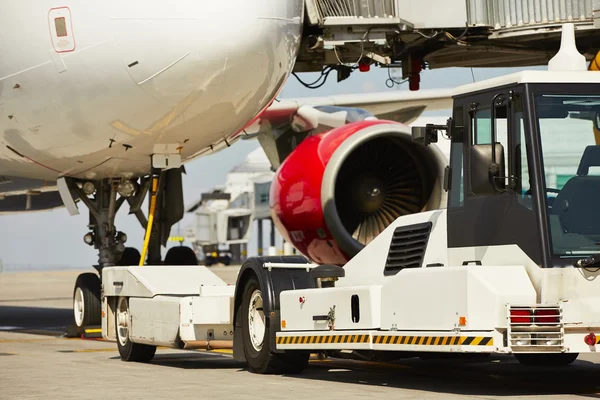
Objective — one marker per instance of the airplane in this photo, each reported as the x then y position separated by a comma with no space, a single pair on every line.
110,100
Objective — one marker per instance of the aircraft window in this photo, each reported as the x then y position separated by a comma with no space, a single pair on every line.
61,26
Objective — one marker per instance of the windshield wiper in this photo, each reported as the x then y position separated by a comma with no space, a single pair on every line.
592,261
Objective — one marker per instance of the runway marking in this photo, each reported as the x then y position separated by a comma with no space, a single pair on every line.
25,340
357,364
222,351
10,328
106,349
31,300
88,350
109,349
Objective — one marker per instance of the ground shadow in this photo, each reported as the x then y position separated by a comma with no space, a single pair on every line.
35,320
501,376
497,376
195,360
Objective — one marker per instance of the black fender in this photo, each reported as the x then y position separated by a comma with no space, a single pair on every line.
272,283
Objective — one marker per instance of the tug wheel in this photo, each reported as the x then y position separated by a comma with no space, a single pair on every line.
256,337
549,360
128,350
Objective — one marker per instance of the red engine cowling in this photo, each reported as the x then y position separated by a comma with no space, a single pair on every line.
338,190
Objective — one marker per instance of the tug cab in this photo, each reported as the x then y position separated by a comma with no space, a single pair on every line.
536,187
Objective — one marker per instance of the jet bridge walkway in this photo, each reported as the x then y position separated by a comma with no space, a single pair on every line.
418,34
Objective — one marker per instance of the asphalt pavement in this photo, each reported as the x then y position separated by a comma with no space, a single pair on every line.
38,362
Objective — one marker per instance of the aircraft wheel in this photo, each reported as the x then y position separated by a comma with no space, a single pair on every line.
86,301
131,257
128,350
256,334
181,255
549,360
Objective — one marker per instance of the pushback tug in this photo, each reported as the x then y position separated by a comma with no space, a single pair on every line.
509,264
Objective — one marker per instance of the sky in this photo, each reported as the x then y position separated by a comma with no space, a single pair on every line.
31,239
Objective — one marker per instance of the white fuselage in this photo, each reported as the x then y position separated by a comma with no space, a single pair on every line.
88,88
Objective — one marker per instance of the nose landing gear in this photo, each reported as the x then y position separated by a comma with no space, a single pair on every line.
103,200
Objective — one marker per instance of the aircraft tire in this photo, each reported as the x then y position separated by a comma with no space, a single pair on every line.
131,257
86,301
181,255
226,260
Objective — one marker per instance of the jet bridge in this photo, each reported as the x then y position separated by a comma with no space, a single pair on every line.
346,35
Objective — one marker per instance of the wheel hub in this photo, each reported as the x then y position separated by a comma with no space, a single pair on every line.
123,321
78,307
256,320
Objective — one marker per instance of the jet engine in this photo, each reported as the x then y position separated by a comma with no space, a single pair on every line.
338,190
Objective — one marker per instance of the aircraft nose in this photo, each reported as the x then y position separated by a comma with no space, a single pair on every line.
264,46
264,30
215,60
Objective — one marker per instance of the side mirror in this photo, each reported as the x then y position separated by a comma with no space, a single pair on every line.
597,121
429,134
424,135
486,177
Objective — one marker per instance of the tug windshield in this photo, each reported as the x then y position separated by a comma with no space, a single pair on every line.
569,129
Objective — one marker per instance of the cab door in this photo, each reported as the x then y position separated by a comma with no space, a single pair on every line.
501,214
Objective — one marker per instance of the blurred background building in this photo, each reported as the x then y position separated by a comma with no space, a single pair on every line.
228,217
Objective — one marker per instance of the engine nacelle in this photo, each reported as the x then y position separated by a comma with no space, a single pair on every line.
338,190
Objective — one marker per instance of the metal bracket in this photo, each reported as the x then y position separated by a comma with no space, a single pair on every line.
65,195
331,318
307,267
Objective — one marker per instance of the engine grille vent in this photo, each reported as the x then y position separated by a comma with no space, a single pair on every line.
407,248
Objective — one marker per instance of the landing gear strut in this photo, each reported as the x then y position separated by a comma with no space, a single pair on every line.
104,199
110,243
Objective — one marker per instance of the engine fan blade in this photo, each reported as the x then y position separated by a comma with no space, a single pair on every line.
377,183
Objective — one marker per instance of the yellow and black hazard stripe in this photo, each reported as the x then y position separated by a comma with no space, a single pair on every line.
434,340
389,339
322,339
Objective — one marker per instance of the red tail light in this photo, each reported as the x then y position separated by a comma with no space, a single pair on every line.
546,316
590,339
520,317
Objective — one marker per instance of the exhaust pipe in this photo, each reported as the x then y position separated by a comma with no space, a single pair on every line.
208,345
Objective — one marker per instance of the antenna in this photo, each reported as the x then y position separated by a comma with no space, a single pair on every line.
568,57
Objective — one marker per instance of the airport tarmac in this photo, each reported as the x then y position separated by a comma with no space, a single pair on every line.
37,362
